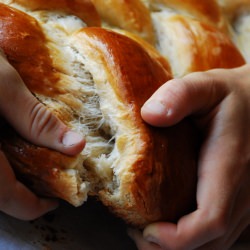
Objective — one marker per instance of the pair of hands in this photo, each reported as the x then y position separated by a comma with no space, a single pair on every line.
219,103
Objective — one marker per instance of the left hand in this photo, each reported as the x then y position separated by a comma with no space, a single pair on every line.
34,122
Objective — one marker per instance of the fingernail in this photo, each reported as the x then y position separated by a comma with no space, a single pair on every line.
149,235
155,107
49,204
151,239
71,138
52,207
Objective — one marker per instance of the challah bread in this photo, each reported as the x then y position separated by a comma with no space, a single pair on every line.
191,45
192,35
132,16
207,11
83,9
96,80
242,34
238,14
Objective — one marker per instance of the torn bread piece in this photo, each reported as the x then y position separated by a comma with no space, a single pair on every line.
96,81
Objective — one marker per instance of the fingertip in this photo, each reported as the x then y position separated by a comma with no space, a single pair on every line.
140,241
151,233
48,205
42,207
166,106
154,107
133,233
162,233
73,142
156,113
71,138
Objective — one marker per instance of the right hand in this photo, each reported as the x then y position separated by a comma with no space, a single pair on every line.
218,102
38,125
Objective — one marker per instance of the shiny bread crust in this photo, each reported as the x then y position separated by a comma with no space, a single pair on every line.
130,15
154,181
84,9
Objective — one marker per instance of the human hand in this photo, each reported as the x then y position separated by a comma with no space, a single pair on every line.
36,124
218,101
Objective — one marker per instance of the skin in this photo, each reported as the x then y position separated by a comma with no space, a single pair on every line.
218,101
36,124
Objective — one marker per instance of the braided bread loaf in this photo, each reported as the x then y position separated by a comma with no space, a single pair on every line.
96,80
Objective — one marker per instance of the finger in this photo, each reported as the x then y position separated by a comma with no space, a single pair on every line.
30,118
16,200
181,236
178,98
208,223
140,242
191,232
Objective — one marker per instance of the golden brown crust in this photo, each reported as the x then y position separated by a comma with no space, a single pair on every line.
151,50
130,15
159,176
213,48
147,73
192,45
24,43
168,186
84,9
206,10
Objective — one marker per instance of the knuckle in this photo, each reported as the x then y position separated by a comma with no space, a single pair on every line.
42,121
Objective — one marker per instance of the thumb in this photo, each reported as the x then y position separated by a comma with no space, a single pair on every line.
30,118
195,94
